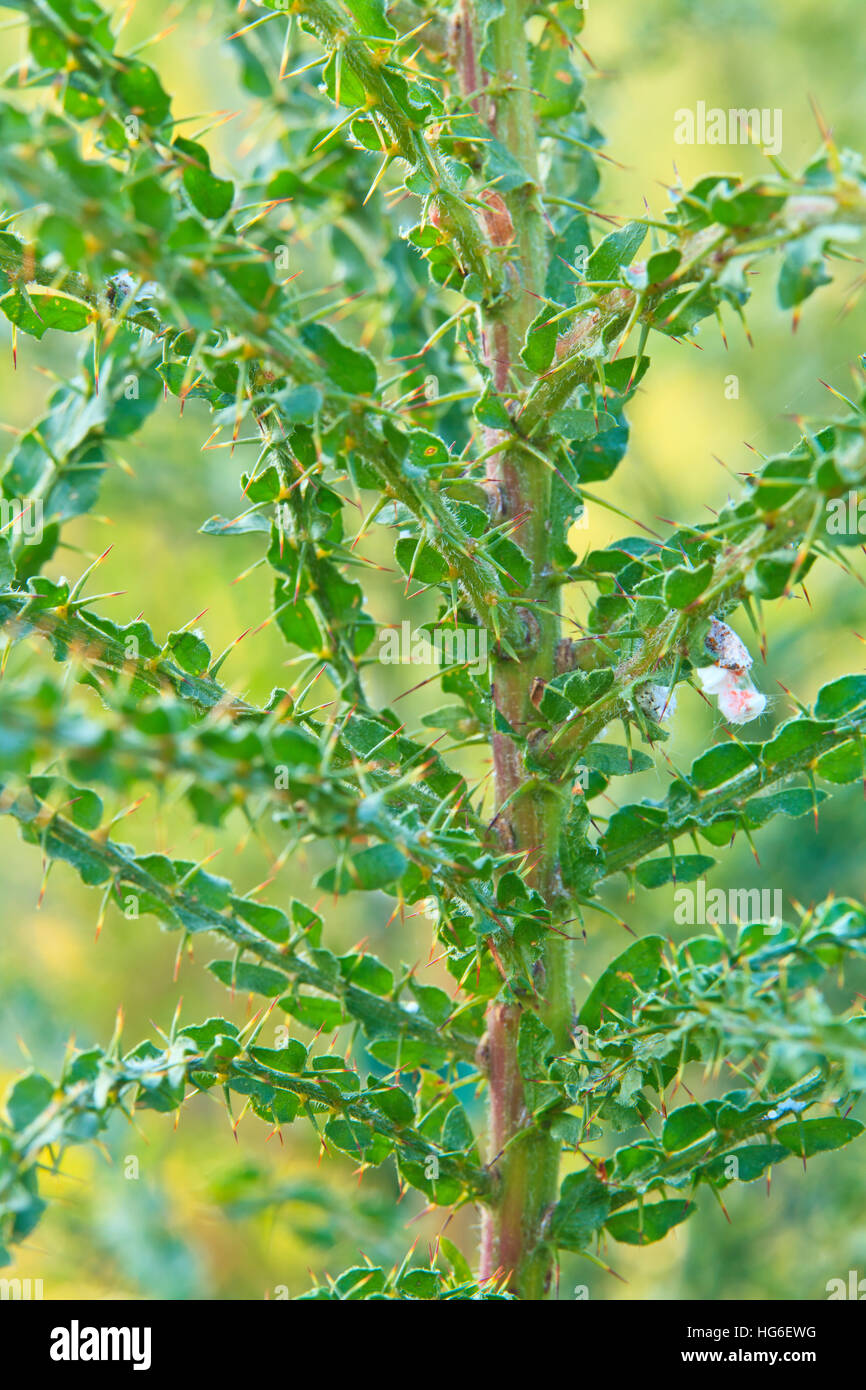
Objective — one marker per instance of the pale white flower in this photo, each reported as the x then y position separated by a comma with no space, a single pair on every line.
739,701
715,679
740,705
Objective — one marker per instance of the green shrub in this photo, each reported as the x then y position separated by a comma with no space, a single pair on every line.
510,331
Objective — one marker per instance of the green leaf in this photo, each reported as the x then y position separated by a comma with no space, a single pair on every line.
617,250
47,48
216,1039
434,1002
771,576
628,827
85,808
27,1099
570,1129
300,404
188,384
662,264
583,688
236,526
489,410
488,13
753,1160
7,564
635,970
284,1107
139,87
793,801
210,196
294,748
540,344
612,760
314,1011
408,1054
840,697
290,1058
296,621
803,271
367,972
420,560
739,1113
807,1137
535,1044
40,309
456,1259
190,652
626,373
684,585
370,16
351,1137
595,460
721,763
564,249
257,979
680,868
844,764
794,738
372,868
272,922
744,207
419,1283
152,204
360,1283
393,1102
651,1223
349,368
685,1126
515,568
582,1209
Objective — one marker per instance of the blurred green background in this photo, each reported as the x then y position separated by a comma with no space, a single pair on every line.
217,1214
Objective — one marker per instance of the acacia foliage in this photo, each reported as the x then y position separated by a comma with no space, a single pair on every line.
120,230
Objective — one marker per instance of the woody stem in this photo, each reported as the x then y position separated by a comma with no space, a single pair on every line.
523,1154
